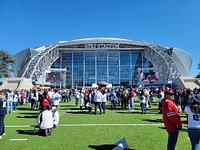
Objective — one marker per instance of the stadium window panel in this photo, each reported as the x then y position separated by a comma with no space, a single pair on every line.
113,68
67,63
124,68
101,65
89,68
78,69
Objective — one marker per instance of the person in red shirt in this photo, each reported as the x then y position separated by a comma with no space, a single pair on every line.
171,118
132,95
44,99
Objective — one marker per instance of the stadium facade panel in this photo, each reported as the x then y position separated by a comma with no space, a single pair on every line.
120,62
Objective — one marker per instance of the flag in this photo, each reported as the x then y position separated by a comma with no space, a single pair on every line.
121,145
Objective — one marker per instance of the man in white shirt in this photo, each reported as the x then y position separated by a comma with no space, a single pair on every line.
97,100
161,95
56,98
10,96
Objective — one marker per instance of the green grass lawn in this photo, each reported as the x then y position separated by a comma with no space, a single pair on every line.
142,132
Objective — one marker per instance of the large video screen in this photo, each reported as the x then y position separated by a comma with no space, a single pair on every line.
149,76
54,77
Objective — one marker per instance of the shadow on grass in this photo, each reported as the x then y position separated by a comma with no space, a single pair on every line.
29,132
70,108
183,130
79,112
23,108
73,108
184,121
135,112
29,113
27,116
126,112
183,116
155,120
118,108
162,128
105,147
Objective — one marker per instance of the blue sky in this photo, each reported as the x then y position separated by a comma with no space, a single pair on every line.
33,23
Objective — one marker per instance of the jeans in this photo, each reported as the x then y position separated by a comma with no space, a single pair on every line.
9,106
172,140
160,107
32,104
103,106
45,132
194,135
143,107
2,127
123,104
76,101
113,104
36,104
131,104
97,104
14,105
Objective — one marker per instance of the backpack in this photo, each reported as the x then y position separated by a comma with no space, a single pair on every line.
159,95
124,94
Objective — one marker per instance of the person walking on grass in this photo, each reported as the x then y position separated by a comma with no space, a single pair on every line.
143,102
124,98
77,95
113,99
81,99
91,101
10,96
103,101
97,100
132,95
171,118
15,100
3,112
56,98
193,112
161,95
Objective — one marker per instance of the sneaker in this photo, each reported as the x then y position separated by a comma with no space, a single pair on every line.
0,137
4,133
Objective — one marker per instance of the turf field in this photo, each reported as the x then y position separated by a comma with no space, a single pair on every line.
79,130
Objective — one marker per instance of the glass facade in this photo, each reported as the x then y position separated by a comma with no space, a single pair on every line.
89,68
87,61
115,67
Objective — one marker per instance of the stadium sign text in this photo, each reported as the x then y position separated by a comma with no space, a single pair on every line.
102,45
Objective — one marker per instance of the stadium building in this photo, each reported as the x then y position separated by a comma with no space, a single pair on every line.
84,62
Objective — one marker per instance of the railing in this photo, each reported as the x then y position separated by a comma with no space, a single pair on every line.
40,62
165,65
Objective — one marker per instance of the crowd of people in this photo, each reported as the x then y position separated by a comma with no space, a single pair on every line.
171,102
172,105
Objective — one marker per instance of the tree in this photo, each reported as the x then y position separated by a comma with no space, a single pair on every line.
6,63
